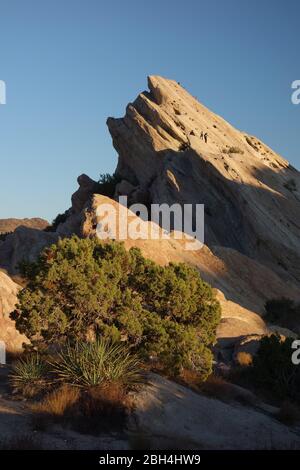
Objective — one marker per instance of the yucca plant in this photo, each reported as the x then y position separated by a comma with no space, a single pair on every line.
29,375
88,364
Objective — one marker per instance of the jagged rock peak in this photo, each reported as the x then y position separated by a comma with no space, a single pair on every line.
251,194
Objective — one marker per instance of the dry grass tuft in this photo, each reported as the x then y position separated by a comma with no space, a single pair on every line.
58,402
217,387
190,378
90,411
244,359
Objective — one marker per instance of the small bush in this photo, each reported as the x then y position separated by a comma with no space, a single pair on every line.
97,363
291,185
244,359
233,150
273,370
283,312
217,387
57,402
107,184
28,375
89,411
184,146
101,409
59,219
3,236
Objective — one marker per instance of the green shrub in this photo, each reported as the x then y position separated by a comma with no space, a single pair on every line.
291,185
79,288
283,312
94,410
184,146
3,236
107,184
59,219
97,363
28,375
233,150
289,413
273,369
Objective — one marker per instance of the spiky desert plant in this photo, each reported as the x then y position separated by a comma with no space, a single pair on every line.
88,364
29,375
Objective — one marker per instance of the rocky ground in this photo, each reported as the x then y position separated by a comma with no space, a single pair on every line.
17,428
165,415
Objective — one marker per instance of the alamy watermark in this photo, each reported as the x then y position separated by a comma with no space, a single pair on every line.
157,222
296,354
296,93
2,92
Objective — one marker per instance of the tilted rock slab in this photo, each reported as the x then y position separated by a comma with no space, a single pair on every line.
251,194
168,413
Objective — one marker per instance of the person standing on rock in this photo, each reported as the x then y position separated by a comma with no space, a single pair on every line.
205,137
202,135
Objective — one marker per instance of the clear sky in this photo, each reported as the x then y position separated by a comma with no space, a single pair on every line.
69,64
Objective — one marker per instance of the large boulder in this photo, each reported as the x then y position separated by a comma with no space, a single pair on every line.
23,244
237,322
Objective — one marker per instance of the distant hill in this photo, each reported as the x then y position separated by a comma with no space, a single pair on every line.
10,225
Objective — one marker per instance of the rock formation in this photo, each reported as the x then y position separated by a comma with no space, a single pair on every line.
8,299
242,280
251,197
246,283
251,194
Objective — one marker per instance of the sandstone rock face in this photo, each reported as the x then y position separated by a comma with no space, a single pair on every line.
81,197
251,194
246,283
242,280
86,188
251,197
9,225
237,322
8,299
166,410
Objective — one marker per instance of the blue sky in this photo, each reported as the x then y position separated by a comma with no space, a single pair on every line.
69,64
